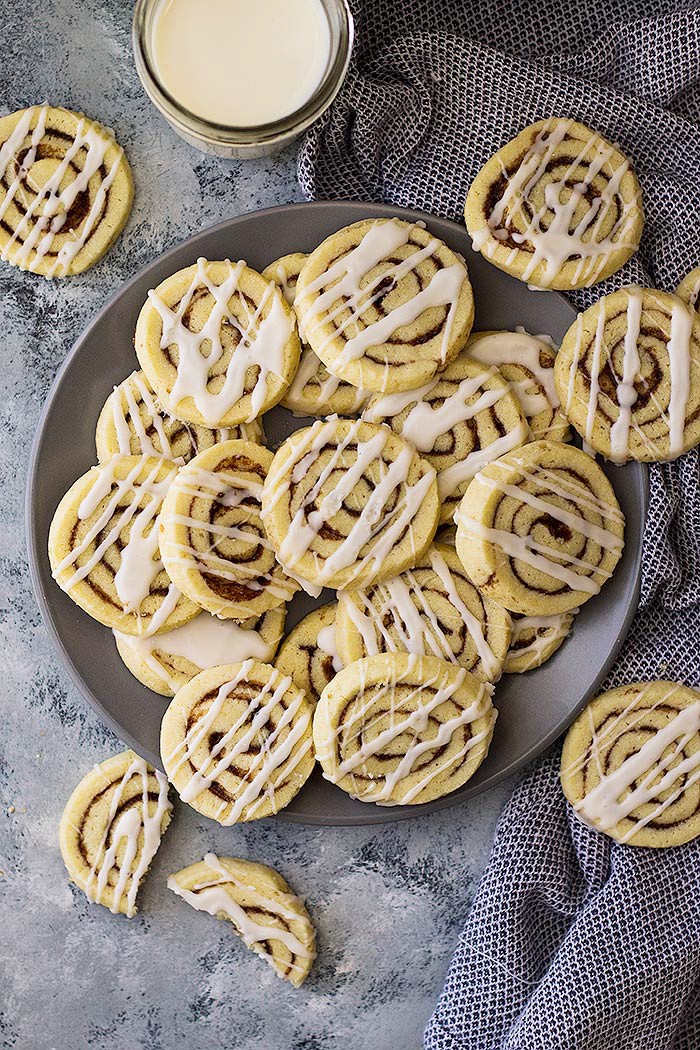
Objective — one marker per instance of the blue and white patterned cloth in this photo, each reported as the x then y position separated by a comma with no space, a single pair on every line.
573,942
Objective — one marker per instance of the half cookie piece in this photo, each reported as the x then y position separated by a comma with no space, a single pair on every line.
270,919
400,729
309,653
558,206
631,764
535,639
111,829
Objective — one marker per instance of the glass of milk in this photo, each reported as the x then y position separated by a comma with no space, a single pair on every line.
242,78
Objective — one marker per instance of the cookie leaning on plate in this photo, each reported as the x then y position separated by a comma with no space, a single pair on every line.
535,639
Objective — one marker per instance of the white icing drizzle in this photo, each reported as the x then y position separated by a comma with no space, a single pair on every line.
626,393
261,345
134,821
554,245
326,642
205,641
535,394
546,630
45,217
678,347
269,766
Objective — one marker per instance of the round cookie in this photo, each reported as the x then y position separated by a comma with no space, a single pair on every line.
557,206
270,919
309,653
526,362
165,662
217,343
134,423
689,288
459,421
630,766
384,304
104,547
65,190
535,639
628,375
236,742
346,503
430,610
212,537
540,530
400,729
111,829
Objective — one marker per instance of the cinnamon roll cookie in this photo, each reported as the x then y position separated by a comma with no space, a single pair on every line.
111,829
346,503
526,362
432,610
309,653
535,639
630,766
540,530
65,190
134,423
270,919
628,375
459,421
104,547
165,662
314,391
236,742
558,206
384,304
689,289
213,541
400,729
217,343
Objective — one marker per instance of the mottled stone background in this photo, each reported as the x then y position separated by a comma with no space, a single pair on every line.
388,901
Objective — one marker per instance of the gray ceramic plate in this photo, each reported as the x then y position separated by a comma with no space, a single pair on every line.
534,708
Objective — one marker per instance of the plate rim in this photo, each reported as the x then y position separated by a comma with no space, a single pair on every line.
375,814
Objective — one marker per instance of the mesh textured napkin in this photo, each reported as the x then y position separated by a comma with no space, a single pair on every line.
573,942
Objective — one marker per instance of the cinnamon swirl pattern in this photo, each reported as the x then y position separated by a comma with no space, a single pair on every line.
111,829
217,343
165,662
628,375
400,729
213,542
535,639
459,421
689,288
540,530
432,610
557,206
134,423
630,766
65,190
526,362
346,503
384,304
270,919
236,742
104,547
309,654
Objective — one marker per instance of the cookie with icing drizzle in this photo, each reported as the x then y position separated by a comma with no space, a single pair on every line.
384,304
217,343
236,742
65,190
258,903
630,766
558,206
689,288
535,639
111,829
213,541
346,503
165,662
104,547
400,729
526,362
540,530
432,609
133,422
309,653
459,421
628,375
